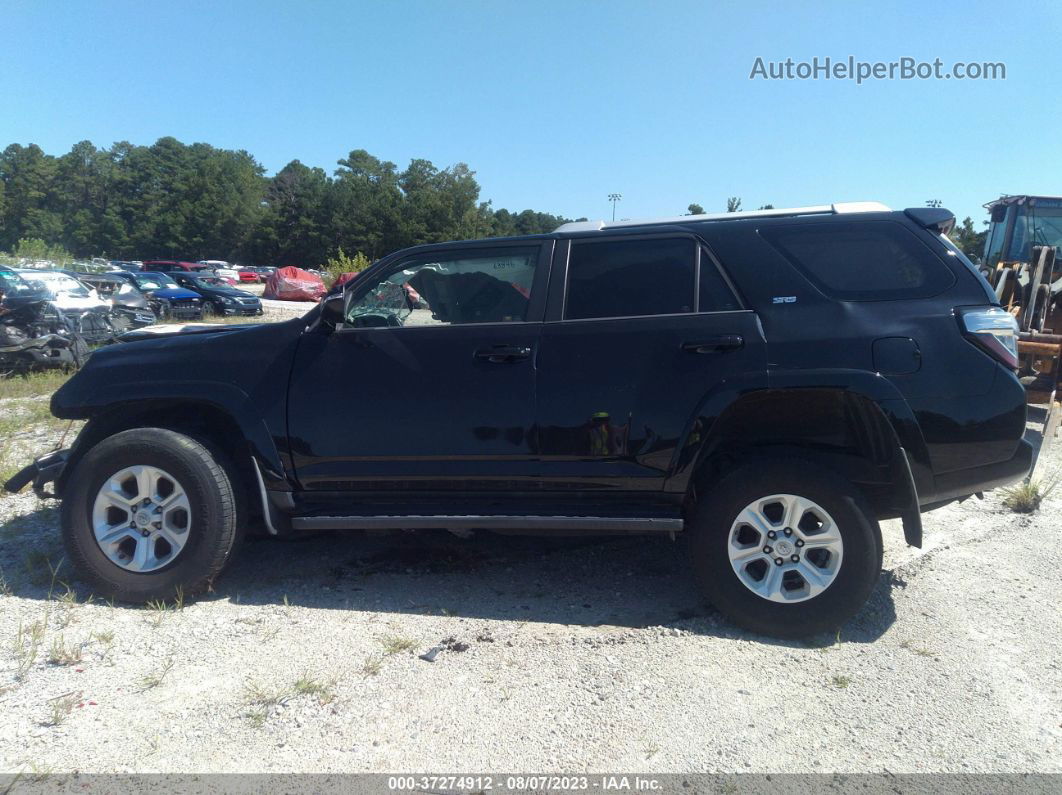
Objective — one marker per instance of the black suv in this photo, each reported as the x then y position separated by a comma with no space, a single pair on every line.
767,385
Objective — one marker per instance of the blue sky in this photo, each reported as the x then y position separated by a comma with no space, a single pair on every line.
557,104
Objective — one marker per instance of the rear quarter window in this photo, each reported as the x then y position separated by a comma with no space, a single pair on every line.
862,261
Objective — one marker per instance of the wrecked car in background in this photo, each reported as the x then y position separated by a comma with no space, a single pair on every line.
34,332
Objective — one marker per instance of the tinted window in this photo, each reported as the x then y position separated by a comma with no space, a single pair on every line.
624,278
449,288
868,261
714,294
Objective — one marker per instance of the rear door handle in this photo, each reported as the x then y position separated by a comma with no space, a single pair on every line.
500,354
720,344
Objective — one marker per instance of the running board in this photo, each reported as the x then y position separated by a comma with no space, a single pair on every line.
532,523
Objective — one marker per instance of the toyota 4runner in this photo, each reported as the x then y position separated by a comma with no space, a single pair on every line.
767,386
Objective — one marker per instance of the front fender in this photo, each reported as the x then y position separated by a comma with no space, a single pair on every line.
112,405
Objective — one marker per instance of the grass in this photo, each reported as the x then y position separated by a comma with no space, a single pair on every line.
26,646
917,650
393,644
61,708
373,665
1027,495
33,412
840,681
33,384
323,691
259,695
61,654
156,678
39,568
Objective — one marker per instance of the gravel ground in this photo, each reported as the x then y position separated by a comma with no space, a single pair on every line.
558,655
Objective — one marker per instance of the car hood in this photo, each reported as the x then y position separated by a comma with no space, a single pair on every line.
71,303
227,356
174,293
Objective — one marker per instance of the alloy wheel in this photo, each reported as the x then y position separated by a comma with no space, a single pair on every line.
785,548
141,518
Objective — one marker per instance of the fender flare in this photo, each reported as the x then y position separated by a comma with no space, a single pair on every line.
909,468
228,399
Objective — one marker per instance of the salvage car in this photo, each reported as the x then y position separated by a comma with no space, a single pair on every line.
130,308
67,292
764,386
34,332
219,297
168,300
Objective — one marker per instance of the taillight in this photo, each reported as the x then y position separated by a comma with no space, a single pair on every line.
994,330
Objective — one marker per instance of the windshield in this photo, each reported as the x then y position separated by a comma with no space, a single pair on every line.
12,284
210,281
1036,225
58,284
127,290
154,281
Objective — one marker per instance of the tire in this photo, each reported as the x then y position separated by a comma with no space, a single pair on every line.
210,531
797,611
208,312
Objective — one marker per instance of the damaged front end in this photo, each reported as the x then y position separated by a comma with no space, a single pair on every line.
38,336
45,470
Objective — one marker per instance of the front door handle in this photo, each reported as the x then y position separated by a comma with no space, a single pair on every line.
720,344
500,354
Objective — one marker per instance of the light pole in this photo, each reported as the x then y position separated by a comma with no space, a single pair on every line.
614,197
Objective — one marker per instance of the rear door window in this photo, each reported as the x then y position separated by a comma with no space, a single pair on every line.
862,261
628,278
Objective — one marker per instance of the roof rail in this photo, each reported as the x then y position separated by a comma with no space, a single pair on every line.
818,209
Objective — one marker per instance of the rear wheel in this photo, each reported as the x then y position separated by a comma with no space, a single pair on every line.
785,548
149,512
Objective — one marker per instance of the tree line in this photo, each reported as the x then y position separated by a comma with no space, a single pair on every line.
195,201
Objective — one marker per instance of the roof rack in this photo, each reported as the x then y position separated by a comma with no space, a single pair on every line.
819,209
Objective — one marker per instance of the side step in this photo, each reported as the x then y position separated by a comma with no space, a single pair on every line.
603,524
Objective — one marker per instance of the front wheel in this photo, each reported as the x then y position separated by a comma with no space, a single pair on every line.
208,311
785,548
149,513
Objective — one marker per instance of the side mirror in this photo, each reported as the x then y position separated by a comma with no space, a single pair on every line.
332,309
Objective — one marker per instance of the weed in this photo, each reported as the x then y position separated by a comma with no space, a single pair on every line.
61,707
106,637
158,609
258,695
155,678
39,567
651,750
1027,495
33,384
61,654
308,686
393,644
27,644
919,651
841,681
373,665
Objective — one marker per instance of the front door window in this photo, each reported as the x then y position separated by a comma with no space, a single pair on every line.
442,289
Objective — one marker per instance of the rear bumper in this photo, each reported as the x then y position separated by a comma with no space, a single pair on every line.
964,482
41,472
